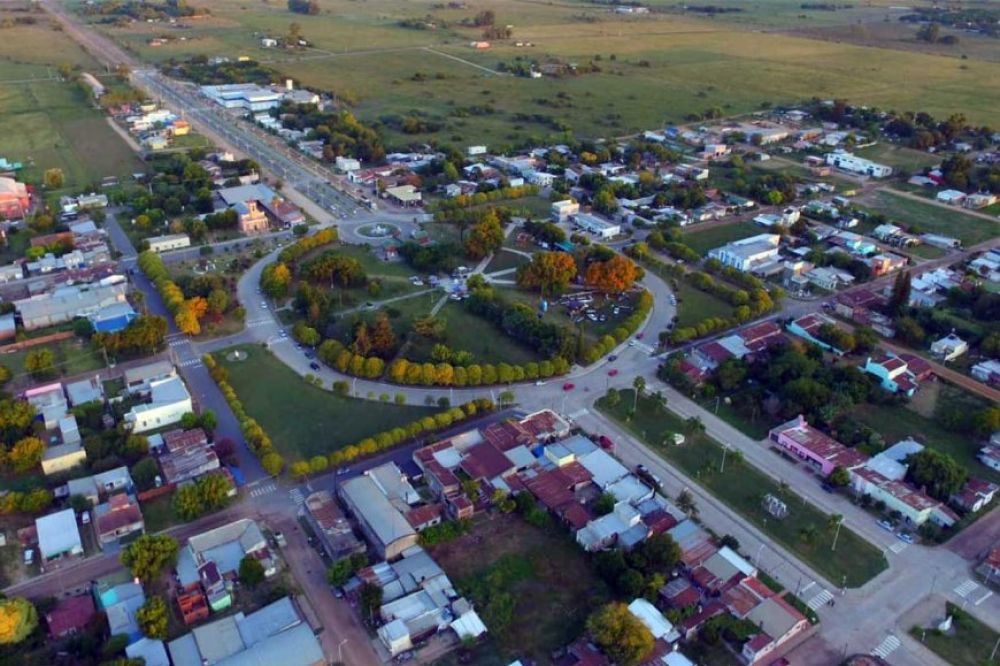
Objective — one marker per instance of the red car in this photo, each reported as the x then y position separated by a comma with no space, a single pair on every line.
606,443
569,386
613,372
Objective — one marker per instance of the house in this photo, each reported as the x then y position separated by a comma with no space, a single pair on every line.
748,254
859,165
562,211
120,597
915,506
101,486
380,518
807,327
70,616
139,378
329,523
15,199
949,347
49,402
649,615
819,450
987,371
169,401
168,242
829,278
404,195
975,494
596,225
151,651
779,623
990,456
721,571
248,96
61,457
275,634
58,536
979,200
951,197
346,164
64,303
187,455
117,519
893,373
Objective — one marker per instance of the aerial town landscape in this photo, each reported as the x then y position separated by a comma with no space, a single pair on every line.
593,333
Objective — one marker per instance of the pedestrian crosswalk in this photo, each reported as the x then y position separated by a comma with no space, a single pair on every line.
966,588
898,547
888,645
580,412
178,342
259,322
820,598
190,363
263,489
297,496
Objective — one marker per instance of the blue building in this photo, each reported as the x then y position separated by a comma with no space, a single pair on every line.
113,318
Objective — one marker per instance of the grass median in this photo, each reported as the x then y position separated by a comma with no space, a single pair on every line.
805,531
969,643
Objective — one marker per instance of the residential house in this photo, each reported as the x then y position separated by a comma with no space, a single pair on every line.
779,623
275,634
987,372
186,455
975,494
49,402
990,456
749,254
14,199
70,616
721,571
138,380
169,401
120,597
403,195
649,615
949,347
562,211
951,197
893,373
151,651
330,525
117,519
819,450
808,326
168,242
101,486
58,536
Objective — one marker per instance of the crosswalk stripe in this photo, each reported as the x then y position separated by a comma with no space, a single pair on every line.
898,547
822,597
580,412
888,645
297,496
966,588
263,490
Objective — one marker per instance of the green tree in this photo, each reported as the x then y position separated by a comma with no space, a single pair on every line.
152,618
620,634
25,455
938,473
839,477
149,555
188,503
41,363
899,299
18,618
605,504
251,571
53,179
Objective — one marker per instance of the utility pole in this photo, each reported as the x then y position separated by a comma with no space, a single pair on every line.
722,467
837,534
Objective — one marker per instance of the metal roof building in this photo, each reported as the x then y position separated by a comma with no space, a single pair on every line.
383,524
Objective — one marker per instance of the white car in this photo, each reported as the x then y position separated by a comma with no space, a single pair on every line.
263,306
29,555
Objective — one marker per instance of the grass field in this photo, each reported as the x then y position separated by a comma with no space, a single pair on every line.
304,420
73,357
704,240
899,157
469,332
970,644
742,486
541,571
969,229
654,69
693,305
50,123
503,260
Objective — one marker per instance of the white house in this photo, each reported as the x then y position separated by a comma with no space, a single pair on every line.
169,242
949,347
346,164
58,535
563,210
748,253
169,401
855,164
597,226
951,197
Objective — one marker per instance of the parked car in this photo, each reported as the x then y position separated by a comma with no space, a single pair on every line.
886,525
613,372
314,365
606,443
906,537
828,488
85,517
279,539
569,386
612,358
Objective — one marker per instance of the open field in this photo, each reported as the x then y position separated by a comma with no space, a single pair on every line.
542,572
899,157
803,531
706,239
47,122
304,420
488,344
654,69
72,357
969,644
694,305
969,229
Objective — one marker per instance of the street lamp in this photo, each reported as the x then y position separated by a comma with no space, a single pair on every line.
340,652
836,534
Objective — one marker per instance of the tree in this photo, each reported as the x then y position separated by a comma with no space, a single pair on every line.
144,473
371,600
25,455
41,363
383,338
899,299
272,463
53,179
251,571
930,32
152,618
507,398
548,272
938,473
605,504
615,275
484,238
187,502
685,502
341,571
147,556
660,552
620,634
18,618
839,477
218,301
639,384
214,490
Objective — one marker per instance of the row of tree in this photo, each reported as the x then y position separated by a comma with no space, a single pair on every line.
187,312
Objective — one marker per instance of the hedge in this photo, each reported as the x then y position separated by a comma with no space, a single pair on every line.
257,439
296,250
622,333
428,424
152,265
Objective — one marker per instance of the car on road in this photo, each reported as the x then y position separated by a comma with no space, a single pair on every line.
640,336
827,487
343,470
905,537
283,334
314,365
641,469
612,358
310,354
886,525
279,539
263,306
613,372
606,443
540,383
569,386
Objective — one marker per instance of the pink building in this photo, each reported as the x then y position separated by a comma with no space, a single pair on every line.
818,449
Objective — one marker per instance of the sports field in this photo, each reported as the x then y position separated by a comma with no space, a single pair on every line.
647,70
47,122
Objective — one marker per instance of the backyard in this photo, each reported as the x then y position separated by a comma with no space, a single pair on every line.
805,531
303,420
540,571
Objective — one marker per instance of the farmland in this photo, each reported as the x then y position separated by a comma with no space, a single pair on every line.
643,71
47,122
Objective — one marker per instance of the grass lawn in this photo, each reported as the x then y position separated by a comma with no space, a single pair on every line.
543,572
159,514
970,644
969,229
899,157
73,357
755,428
503,260
487,342
896,423
304,420
707,239
742,487
693,305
